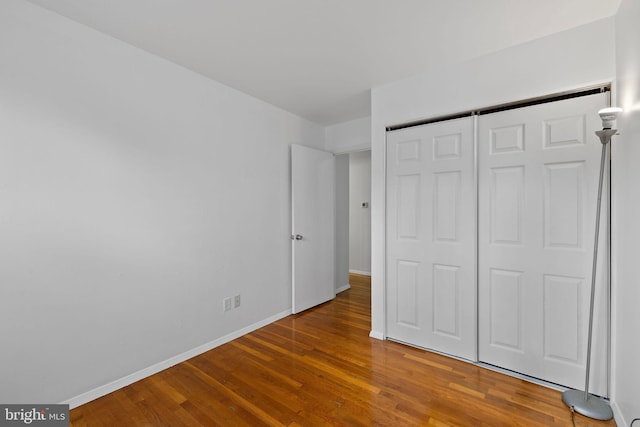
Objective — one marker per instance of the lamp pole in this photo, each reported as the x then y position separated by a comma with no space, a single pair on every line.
584,403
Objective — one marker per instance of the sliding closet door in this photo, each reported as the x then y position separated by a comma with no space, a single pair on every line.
538,173
431,279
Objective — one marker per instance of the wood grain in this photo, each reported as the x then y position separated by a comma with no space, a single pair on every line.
320,368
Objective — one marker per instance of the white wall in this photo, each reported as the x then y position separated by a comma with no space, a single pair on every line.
342,222
626,212
134,196
346,137
564,61
360,217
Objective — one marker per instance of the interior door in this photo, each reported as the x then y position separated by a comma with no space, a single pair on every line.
538,173
313,226
431,237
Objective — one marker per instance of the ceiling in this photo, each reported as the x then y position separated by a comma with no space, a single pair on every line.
319,58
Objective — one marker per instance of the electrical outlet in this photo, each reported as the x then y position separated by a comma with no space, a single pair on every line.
226,304
236,301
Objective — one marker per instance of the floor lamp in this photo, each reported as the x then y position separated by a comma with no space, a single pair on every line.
582,401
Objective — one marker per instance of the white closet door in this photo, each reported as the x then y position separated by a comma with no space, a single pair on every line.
538,179
431,236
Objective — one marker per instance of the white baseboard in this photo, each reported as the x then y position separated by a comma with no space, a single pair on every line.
364,273
343,288
105,389
617,414
377,335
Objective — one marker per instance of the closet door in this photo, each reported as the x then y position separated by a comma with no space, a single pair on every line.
431,236
538,179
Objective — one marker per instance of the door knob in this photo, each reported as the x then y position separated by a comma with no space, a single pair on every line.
296,237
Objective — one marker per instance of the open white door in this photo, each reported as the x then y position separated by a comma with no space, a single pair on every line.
313,227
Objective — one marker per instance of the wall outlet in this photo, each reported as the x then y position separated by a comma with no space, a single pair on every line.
226,304
236,301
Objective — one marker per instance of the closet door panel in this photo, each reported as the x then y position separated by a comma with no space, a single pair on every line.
431,280
538,170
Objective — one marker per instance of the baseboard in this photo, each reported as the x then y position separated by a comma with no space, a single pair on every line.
154,369
377,335
343,288
617,414
363,273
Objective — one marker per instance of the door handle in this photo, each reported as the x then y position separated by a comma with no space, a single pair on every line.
296,237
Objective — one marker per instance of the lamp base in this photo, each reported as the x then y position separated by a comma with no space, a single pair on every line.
594,407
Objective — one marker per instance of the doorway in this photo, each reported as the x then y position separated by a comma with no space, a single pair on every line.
353,216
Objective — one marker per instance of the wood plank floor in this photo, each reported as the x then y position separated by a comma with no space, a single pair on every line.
320,368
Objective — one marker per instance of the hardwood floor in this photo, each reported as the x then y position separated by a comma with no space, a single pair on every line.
321,368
